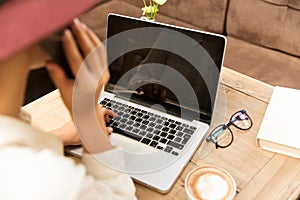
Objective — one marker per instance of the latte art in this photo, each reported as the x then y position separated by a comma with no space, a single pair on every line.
210,183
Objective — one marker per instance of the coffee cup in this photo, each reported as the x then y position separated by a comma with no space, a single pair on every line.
210,183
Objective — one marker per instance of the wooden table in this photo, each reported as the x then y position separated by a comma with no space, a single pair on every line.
259,174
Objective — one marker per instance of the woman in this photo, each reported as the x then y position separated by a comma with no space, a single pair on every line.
31,162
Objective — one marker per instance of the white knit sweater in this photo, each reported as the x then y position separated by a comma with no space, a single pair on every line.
32,167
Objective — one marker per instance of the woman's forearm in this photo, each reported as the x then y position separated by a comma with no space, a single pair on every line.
13,78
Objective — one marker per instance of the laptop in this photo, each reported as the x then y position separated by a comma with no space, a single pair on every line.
163,87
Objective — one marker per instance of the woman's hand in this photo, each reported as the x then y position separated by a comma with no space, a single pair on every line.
68,132
87,41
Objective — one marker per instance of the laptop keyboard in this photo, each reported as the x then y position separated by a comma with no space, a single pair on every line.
146,127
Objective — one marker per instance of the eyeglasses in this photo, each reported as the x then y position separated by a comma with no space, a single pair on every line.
222,136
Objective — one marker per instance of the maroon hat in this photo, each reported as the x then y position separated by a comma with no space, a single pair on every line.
24,22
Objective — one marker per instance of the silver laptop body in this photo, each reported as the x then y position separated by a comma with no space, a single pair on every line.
163,87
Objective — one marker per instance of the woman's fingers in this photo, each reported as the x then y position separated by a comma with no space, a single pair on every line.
90,45
107,113
93,37
62,82
101,52
104,115
72,52
57,74
84,42
109,130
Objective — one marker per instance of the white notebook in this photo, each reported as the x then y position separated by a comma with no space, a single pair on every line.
280,128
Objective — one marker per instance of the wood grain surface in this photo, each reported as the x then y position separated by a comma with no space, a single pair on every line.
259,174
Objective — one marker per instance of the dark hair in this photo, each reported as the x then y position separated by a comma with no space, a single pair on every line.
2,1
53,46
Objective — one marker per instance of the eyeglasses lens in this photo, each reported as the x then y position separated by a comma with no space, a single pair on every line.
241,120
222,135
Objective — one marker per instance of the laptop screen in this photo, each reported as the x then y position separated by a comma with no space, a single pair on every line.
174,69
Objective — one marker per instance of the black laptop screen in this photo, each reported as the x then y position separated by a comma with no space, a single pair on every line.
157,64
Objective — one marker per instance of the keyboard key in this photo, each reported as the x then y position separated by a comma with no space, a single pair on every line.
127,110
122,126
171,120
166,123
175,145
193,128
143,133
156,132
129,128
186,136
130,122
146,117
189,131
163,140
149,135
166,129
149,129
143,127
178,123
168,149
179,128
136,125
153,144
158,127
117,118
185,140
158,121
145,140
127,134
123,121
103,102
115,124
136,130
178,139
120,113
163,134
115,107
157,116
175,153
139,120
160,147
145,122
179,134
133,117
172,126
156,138
133,112
172,131
152,119
171,137
126,115
152,124
185,125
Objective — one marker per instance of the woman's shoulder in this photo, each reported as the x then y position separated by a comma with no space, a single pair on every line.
39,173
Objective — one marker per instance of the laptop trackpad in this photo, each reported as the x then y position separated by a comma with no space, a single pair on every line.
129,145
